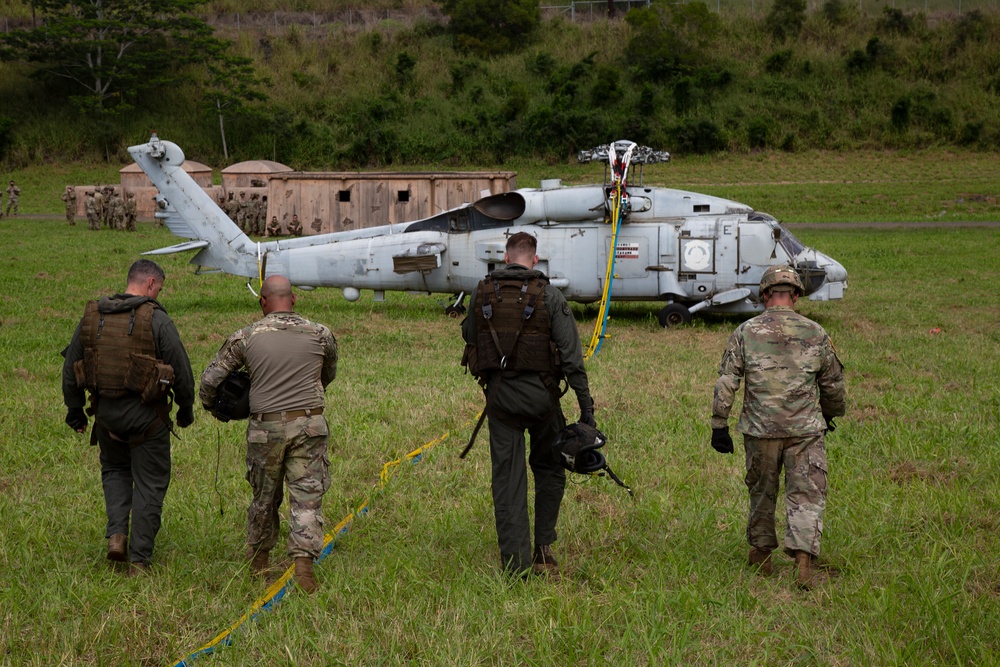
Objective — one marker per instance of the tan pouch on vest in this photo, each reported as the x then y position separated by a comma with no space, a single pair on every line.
148,377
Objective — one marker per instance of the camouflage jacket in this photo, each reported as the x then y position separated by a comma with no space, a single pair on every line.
792,374
290,360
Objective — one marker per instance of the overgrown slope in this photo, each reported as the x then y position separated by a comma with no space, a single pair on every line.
677,77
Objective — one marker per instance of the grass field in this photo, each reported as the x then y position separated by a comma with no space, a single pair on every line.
911,525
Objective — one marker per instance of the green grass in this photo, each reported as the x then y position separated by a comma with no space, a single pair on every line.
911,522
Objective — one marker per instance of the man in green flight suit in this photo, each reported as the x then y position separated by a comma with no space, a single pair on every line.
521,340
794,387
119,353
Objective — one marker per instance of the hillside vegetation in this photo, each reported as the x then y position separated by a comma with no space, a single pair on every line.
677,77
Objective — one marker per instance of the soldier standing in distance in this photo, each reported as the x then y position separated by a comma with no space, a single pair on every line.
291,361
794,387
131,211
521,340
13,197
90,208
117,335
69,198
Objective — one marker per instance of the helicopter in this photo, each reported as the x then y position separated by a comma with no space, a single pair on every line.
695,253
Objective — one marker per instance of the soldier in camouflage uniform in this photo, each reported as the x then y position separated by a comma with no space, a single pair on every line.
291,361
69,198
231,207
274,227
131,211
242,210
794,387
522,393
295,227
99,206
13,197
117,207
90,208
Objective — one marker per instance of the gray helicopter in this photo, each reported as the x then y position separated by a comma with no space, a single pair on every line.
695,252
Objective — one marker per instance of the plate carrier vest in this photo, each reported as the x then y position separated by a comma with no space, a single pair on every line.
109,341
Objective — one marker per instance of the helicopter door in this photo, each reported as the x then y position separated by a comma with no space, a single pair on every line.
696,257
758,249
633,260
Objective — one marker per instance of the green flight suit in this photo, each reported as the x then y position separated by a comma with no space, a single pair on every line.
521,402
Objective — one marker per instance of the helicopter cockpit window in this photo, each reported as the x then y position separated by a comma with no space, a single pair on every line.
792,245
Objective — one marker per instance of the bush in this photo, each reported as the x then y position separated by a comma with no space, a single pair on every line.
785,19
492,27
696,136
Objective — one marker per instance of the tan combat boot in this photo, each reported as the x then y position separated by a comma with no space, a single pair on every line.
304,576
118,547
259,560
806,578
543,561
761,561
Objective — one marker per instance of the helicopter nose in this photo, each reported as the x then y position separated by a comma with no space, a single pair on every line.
836,279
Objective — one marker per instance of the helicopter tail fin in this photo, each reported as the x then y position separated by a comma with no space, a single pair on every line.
189,212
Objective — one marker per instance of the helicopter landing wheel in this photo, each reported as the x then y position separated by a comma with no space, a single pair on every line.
674,314
454,311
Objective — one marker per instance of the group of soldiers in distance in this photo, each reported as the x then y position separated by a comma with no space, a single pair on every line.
250,214
104,207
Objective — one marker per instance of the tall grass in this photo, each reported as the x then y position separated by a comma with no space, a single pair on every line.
911,523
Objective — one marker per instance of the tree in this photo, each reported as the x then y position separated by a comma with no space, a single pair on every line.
492,27
785,19
111,50
233,84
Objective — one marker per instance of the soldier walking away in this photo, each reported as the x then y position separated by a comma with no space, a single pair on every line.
521,341
117,217
69,198
794,387
295,227
13,197
127,355
90,208
131,210
290,361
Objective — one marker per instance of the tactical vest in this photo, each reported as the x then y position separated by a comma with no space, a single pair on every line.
110,343
513,328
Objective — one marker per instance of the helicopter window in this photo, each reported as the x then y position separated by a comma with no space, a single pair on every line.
344,196
403,195
701,208
791,244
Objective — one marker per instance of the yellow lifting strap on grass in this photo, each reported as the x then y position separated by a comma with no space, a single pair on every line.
277,591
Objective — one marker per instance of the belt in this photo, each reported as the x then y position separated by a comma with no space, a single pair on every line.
286,415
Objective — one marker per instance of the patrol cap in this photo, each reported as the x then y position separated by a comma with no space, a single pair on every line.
780,278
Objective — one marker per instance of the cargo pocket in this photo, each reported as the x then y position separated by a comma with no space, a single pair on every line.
817,469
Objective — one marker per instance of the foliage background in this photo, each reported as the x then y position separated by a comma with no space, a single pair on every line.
391,84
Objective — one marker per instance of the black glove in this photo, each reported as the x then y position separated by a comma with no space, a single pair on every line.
185,416
722,442
76,419
830,426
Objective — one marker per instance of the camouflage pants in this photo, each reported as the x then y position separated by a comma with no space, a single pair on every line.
292,452
93,222
804,461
